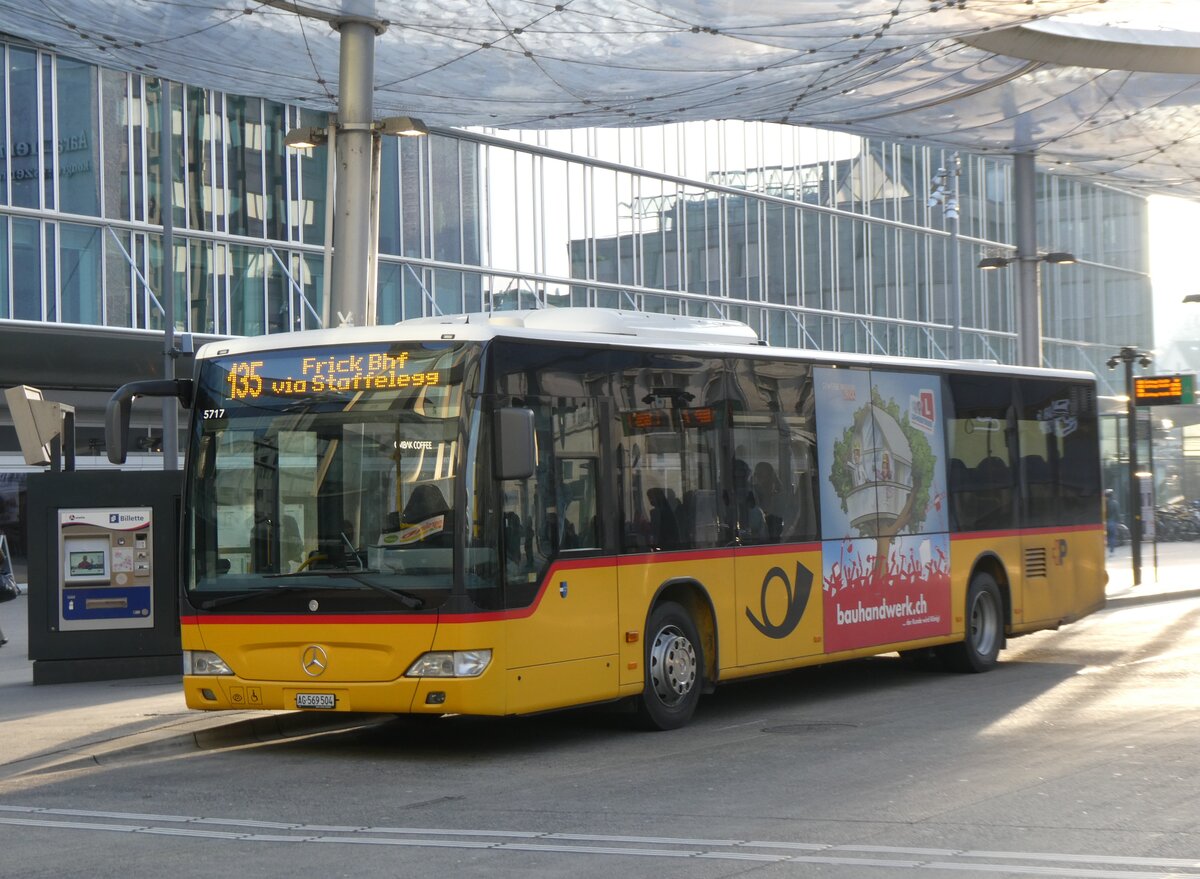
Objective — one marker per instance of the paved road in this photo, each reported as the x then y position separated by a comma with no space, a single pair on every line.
1077,757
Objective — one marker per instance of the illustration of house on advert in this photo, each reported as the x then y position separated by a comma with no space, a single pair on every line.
886,546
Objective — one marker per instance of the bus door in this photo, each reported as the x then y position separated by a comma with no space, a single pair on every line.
560,592
1048,427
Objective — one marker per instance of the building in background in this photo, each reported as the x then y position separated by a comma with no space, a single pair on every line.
816,239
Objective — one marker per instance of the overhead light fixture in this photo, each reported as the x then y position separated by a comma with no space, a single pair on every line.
305,138
1058,257
402,126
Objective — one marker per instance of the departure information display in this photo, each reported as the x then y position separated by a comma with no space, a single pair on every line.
1164,390
302,374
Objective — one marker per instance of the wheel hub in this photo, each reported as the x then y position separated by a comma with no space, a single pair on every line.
672,665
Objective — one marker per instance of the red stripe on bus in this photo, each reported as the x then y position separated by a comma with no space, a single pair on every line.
1024,532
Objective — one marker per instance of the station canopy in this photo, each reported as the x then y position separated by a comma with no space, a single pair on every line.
1107,89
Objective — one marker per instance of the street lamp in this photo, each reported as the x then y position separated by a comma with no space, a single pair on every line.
949,202
1128,355
1057,257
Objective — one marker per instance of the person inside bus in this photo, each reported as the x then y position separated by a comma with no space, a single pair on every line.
769,493
664,528
751,526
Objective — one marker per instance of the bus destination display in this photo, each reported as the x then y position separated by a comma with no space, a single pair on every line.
1164,390
301,375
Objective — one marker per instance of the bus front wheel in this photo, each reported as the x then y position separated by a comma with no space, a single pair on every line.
980,647
674,662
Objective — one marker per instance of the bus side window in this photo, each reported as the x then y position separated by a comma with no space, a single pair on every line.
577,503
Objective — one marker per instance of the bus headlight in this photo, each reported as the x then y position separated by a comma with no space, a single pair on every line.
204,662
450,664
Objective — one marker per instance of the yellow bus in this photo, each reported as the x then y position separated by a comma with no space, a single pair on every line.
524,511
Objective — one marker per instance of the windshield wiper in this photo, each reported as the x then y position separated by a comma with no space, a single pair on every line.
408,599
253,593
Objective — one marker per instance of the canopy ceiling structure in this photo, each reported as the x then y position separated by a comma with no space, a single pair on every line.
1109,89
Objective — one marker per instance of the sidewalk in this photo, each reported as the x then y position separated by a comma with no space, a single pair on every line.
1169,571
64,725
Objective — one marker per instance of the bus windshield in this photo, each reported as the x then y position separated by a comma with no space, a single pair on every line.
326,478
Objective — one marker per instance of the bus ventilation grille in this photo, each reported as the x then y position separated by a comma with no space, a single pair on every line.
1035,562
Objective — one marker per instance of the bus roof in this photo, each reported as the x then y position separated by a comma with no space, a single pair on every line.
605,327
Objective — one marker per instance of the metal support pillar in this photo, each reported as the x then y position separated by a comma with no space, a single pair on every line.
1135,485
166,208
1029,290
1128,355
349,291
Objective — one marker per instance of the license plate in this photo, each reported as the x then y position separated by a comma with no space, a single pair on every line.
316,700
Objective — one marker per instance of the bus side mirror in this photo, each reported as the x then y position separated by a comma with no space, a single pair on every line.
515,455
116,414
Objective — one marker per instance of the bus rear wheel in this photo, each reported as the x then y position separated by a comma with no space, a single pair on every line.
674,662
980,647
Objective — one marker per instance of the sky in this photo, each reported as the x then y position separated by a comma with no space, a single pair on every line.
1174,239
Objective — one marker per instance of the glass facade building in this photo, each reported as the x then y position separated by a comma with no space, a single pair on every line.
817,239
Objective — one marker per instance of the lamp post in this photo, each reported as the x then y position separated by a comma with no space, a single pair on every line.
1029,308
1128,355
355,299
949,201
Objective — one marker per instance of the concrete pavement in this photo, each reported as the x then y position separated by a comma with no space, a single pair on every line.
56,727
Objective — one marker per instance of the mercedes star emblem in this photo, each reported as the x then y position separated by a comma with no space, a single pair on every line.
314,661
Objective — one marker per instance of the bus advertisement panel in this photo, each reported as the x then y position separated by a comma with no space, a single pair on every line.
886,552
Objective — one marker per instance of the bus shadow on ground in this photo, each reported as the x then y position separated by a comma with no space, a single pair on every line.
805,702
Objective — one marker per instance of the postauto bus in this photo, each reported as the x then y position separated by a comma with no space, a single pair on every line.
510,513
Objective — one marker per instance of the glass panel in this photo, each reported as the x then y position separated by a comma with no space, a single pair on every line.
389,196
50,288
275,183
5,146
78,145
444,198
981,474
26,269
82,280
412,237
667,458
137,161
313,165
117,290
199,158
244,160
328,473
312,270
388,304
116,144
775,479
246,291
577,480
22,146
4,291
279,311
1060,470
200,287
153,125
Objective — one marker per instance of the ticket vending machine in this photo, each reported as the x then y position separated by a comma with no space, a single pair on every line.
106,568
103,579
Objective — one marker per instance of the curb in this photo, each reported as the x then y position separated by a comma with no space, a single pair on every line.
216,733
1150,598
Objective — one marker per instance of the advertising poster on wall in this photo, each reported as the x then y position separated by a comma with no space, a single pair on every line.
886,550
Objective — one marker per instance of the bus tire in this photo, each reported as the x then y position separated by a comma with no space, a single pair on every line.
674,662
980,647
